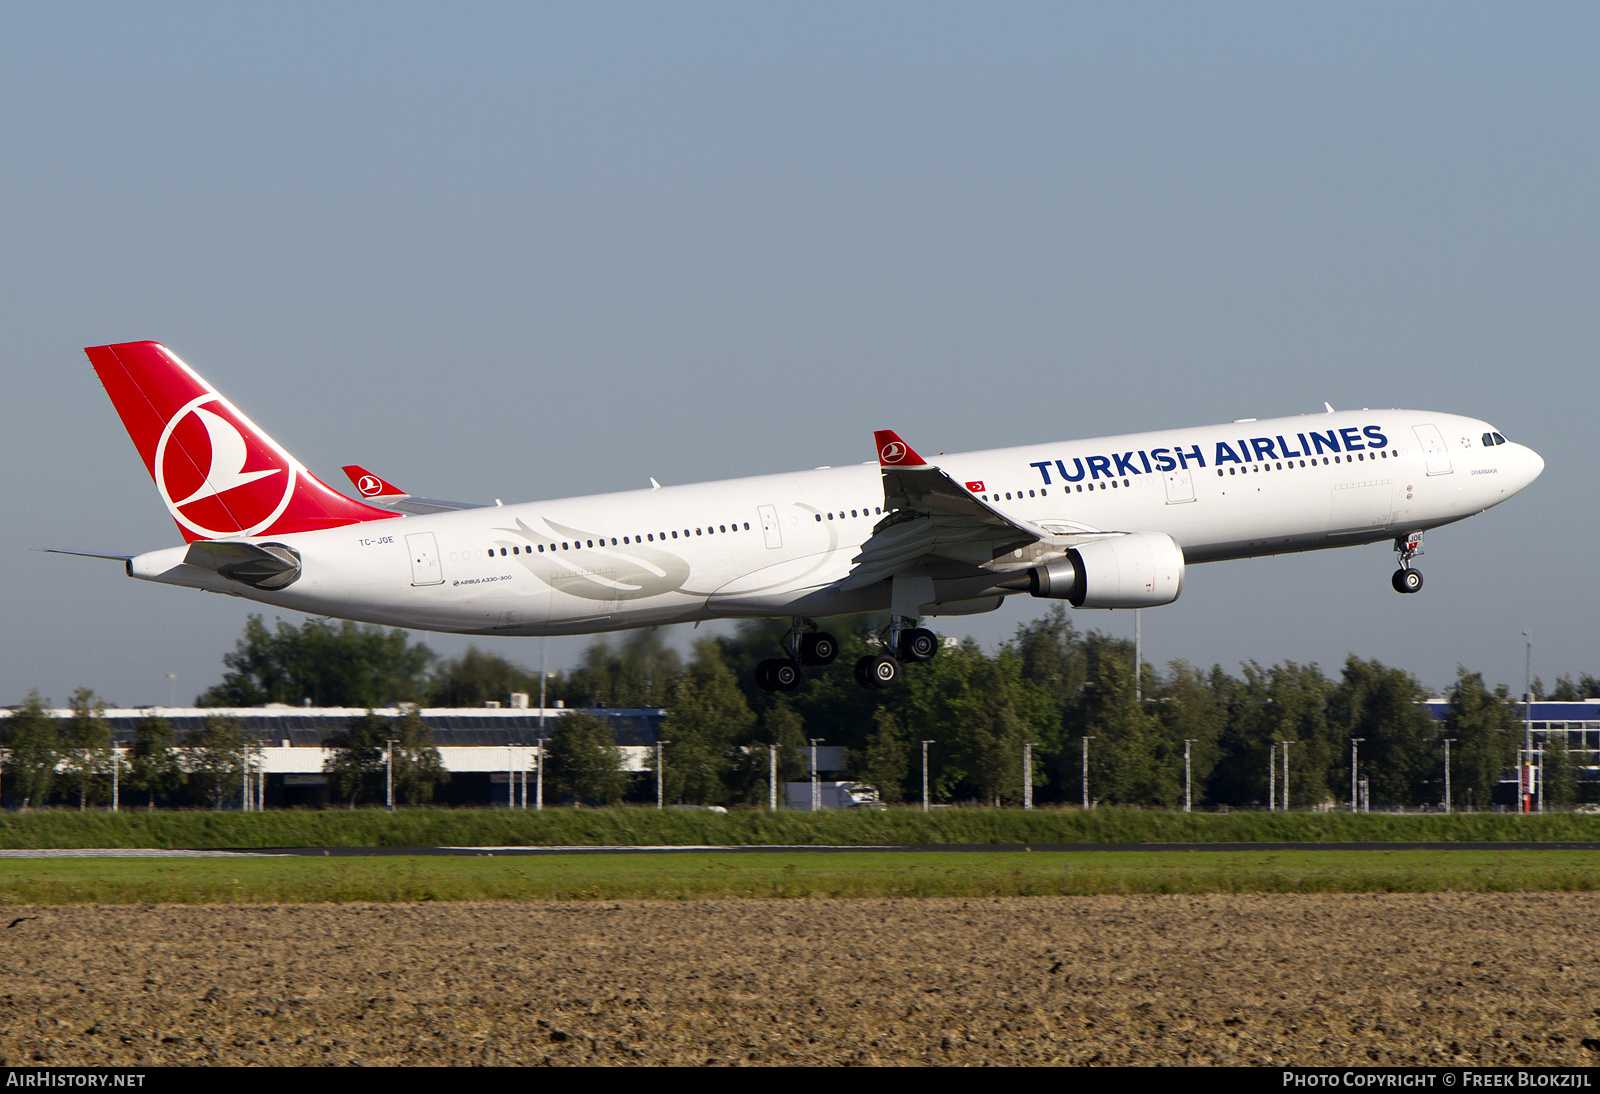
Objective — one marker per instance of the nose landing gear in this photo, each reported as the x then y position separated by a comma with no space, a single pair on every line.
1407,579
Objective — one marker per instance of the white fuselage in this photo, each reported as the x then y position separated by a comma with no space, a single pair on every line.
778,545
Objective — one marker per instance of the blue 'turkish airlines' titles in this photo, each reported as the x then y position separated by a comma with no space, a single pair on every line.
1245,450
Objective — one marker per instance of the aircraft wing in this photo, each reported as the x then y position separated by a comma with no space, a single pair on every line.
382,492
932,517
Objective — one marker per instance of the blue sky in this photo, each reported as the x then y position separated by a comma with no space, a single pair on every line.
526,251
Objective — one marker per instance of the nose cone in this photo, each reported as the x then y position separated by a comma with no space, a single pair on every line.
1535,464
1529,467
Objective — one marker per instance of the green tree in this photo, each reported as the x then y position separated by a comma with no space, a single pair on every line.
706,716
478,677
1560,772
154,766
33,746
886,761
750,774
1287,702
1383,706
1487,730
1192,706
216,758
417,765
355,762
1127,764
327,664
585,764
639,673
86,749
994,740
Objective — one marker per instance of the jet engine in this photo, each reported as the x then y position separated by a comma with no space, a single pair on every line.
1137,570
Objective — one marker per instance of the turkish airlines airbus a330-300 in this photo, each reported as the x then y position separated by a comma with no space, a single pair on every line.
1110,522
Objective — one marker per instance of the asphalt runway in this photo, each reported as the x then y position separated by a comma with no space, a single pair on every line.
765,849
1068,848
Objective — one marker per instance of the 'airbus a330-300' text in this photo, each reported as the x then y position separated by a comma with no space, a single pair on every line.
1111,522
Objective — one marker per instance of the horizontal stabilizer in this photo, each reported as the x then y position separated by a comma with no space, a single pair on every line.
86,554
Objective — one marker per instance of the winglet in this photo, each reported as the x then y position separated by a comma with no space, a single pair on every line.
371,486
893,452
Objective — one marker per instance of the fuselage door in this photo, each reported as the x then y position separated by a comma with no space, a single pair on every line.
1180,486
1433,448
425,568
769,526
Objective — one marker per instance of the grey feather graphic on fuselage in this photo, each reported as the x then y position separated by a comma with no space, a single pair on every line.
624,571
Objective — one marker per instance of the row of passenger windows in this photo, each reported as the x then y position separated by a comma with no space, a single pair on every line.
878,509
1380,454
1044,491
648,537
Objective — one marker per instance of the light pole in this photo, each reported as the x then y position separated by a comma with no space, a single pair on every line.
1086,741
1447,741
816,787
172,688
1526,785
538,778
1286,745
1027,774
1353,797
388,773
115,795
772,778
1138,658
1272,776
659,771
1188,780
925,745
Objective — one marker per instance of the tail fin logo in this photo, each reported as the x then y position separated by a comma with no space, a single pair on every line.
215,482
369,485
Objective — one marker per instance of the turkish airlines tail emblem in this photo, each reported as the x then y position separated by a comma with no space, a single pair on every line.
220,476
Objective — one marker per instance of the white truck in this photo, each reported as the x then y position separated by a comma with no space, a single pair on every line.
832,795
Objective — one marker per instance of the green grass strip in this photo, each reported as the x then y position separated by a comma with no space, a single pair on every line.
791,875
433,827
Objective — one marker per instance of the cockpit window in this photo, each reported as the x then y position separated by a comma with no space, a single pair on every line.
1498,439
1488,440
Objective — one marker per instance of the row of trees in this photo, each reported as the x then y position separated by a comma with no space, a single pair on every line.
1050,686
49,758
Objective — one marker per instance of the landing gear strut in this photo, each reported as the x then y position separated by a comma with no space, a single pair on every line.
1407,579
805,645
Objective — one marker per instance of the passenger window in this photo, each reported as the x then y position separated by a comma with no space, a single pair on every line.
674,534
852,512
724,527
819,518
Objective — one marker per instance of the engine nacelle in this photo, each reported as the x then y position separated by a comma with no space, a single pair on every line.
1138,570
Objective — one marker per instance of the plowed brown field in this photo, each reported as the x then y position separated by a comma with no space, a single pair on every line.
1326,980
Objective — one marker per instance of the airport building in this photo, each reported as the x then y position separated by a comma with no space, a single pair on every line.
491,752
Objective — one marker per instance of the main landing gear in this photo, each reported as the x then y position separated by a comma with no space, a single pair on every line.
902,644
1407,579
806,646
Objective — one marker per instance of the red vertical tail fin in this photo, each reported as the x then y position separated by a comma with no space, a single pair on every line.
220,476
